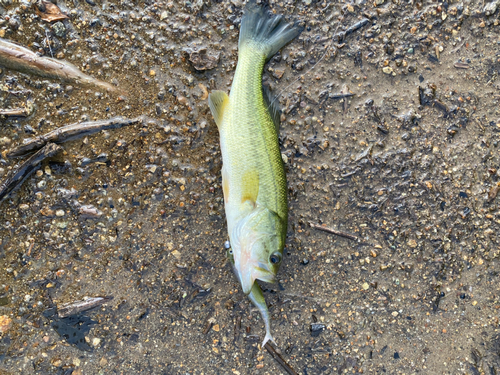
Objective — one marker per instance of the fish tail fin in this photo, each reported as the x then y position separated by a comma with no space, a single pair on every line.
268,31
267,338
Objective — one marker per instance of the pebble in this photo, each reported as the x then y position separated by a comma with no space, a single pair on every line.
5,323
491,8
89,211
60,213
316,328
4,141
59,29
96,342
62,224
278,73
365,286
388,70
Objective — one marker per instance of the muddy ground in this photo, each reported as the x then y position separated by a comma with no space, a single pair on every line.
409,164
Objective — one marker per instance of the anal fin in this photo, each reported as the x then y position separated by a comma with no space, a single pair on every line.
218,101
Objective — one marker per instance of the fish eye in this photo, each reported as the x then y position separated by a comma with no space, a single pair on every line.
275,258
230,251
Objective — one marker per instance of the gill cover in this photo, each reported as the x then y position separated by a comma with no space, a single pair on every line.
257,247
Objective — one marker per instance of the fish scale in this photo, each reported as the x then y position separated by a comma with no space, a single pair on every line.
249,140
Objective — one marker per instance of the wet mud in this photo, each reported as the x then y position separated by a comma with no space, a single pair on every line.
389,133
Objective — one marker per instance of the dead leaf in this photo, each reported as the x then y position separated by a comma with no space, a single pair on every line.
49,12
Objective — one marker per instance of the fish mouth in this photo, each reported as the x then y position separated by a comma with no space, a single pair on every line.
260,271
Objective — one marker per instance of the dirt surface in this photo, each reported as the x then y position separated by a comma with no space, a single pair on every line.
409,165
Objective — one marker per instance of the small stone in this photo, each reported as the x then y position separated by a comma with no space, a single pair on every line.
278,73
216,328
491,8
103,362
60,213
89,211
46,211
163,15
4,141
62,224
176,254
387,70
412,243
24,207
59,29
5,323
394,313
316,329
56,362
41,184
365,286
96,342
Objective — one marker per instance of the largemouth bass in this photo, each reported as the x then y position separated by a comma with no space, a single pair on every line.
253,176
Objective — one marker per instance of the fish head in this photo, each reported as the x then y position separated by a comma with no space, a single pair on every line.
258,248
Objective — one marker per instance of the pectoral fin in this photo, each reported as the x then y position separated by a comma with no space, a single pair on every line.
218,101
225,184
250,186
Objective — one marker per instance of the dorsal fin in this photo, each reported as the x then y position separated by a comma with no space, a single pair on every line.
250,186
273,107
218,101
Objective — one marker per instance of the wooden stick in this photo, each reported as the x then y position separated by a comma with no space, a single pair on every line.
81,306
17,176
334,231
278,358
70,132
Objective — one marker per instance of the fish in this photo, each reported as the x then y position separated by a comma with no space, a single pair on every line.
16,57
253,175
